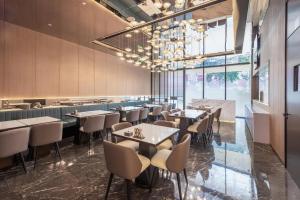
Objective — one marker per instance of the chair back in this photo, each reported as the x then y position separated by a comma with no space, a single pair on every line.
111,119
156,110
121,161
164,123
217,113
133,116
14,141
202,127
94,123
46,133
120,126
165,115
210,120
177,160
144,113
169,108
164,107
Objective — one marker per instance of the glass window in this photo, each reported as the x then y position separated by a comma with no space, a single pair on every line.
194,85
215,38
230,35
214,82
238,86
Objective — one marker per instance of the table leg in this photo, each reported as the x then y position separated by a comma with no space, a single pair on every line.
144,179
77,133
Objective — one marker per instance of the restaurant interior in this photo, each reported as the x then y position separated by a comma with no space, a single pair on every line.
149,99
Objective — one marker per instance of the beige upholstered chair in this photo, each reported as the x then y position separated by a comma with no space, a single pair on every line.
169,108
91,125
200,128
175,110
144,114
43,134
120,141
132,116
123,162
110,120
164,107
167,144
209,130
173,160
156,112
14,142
166,116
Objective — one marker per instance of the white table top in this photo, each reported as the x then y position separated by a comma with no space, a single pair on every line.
154,135
37,120
128,108
151,105
89,113
188,113
7,125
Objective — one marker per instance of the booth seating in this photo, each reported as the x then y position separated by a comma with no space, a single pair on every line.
60,111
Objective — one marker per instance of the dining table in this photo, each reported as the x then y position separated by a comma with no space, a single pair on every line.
187,117
153,135
81,116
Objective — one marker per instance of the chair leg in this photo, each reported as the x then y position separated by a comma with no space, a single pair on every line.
108,186
35,156
90,137
128,189
185,175
57,150
179,186
23,162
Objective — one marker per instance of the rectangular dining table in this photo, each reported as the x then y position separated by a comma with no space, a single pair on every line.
153,136
81,116
8,125
38,120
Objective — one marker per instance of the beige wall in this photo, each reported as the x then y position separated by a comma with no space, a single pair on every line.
273,49
33,64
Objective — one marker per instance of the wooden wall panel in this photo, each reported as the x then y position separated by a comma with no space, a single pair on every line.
86,71
19,69
69,69
273,29
47,65
101,71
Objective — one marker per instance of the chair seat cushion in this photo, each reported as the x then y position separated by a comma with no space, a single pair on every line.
167,144
130,144
193,128
145,162
160,158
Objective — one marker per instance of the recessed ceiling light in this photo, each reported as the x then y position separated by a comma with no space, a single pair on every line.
127,49
83,3
119,54
50,25
128,35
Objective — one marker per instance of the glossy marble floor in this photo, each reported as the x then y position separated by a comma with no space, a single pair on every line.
232,167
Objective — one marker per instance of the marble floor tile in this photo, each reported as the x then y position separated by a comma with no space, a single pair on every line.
231,167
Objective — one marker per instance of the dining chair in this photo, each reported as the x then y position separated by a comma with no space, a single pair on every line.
43,134
167,144
91,125
144,114
110,120
164,107
217,115
169,108
166,116
121,141
156,112
132,116
200,128
210,130
173,160
123,162
14,142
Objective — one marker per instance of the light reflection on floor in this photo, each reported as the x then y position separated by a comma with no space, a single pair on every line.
232,167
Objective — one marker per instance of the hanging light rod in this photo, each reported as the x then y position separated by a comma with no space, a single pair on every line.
200,6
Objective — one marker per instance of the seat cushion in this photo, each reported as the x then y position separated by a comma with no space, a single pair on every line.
145,162
193,128
130,144
160,158
167,144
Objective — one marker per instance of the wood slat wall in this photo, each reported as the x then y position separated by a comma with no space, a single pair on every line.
34,64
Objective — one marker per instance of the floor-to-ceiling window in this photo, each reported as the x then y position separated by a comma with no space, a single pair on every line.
225,77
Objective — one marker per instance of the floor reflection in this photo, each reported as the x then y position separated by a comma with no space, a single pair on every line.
231,167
